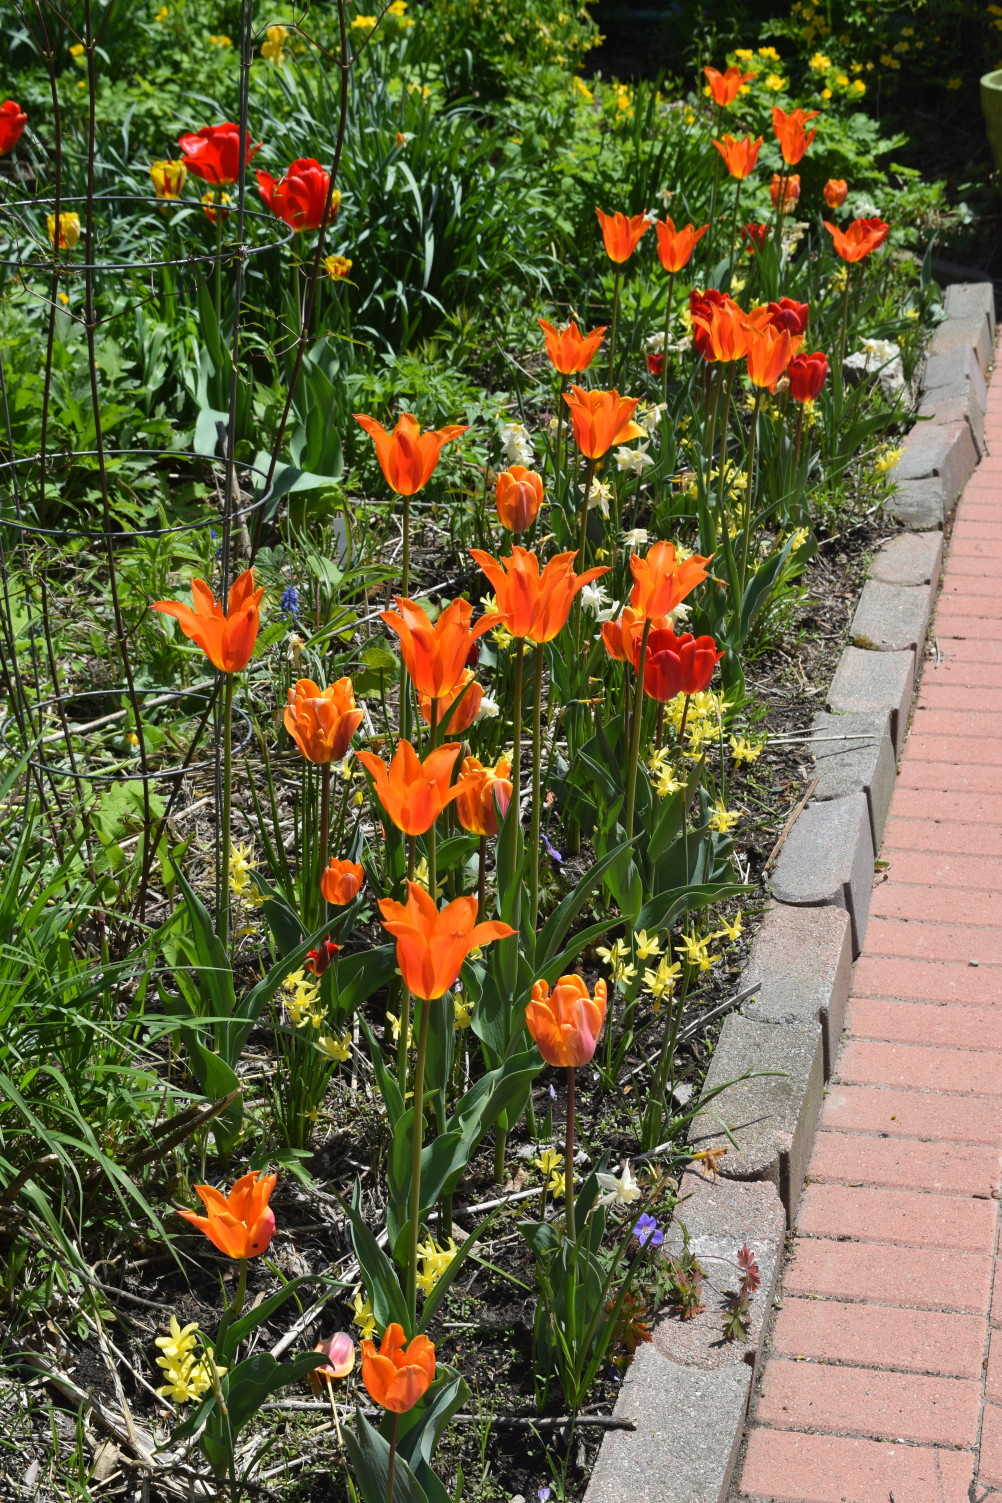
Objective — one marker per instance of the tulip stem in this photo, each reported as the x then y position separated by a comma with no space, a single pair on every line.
845,323
734,230
780,210
615,323
748,499
717,116
481,879
722,486
797,440
393,1458
681,730
557,453
223,922
432,843
405,995
418,1101
325,814
569,1163
664,347
638,707
537,696
405,566
582,544
232,1310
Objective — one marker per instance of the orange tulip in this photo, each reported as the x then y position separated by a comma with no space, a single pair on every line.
725,329
533,605
227,641
519,495
242,1223
322,721
622,233
342,881
836,191
675,247
770,351
789,128
601,419
726,86
620,637
662,580
407,457
862,237
397,1376
479,787
413,793
566,1022
740,156
455,722
791,191
435,656
432,945
569,350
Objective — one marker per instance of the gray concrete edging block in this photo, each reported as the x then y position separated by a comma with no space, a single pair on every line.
687,1392
853,753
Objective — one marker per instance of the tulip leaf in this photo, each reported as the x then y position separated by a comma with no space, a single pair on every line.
213,969
379,1276
662,910
417,1440
370,1459
241,1328
552,933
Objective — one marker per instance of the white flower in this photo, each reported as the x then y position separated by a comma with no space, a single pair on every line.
517,444
594,599
619,1192
649,419
634,461
679,614
599,496
636,537
488,709
879,351
666,196
655,341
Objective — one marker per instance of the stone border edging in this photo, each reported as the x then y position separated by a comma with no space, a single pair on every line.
688,1390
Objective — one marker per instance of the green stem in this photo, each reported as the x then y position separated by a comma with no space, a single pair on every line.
224,895
796,442
569,1160
615,323
537,696
405,566
638,706
432,843
405,996
746,544
482,879
415,1212
664,370
558,449
582,545
219,264
717,159
734,229
845,322
393,1457
722,488
325,815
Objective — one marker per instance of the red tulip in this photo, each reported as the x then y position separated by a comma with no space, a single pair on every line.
213,153
807,376
12,123
677,665
754,236
789,315
301,196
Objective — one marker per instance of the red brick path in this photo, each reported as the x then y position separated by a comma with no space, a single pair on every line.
884,1383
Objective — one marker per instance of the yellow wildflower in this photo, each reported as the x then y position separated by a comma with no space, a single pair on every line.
723,820
363,1316
435,1259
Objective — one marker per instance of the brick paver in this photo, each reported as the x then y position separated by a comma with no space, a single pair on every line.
883,1379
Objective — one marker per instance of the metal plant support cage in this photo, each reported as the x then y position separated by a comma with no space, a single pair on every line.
33,686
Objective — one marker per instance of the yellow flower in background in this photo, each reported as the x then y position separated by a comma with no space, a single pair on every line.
362,1315
180,1341
696,951
732,930
744,54
77,50
743,750
463,1012
188,1379
162,14
435,1259
273,46
661,983
858,87
242,885
549,1162
820,63
770,53
337,267
335,1048
954,83
723,820
221,41
887,459
775,83
363,23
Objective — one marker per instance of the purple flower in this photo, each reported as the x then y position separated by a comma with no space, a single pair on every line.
647,1230
553,1093
543,1494
551,851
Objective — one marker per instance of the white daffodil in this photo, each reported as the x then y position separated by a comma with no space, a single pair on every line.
489,709
633,461
619,1191
517,444
594,599
636,537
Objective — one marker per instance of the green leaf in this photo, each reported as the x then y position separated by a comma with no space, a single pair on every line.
370,1460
